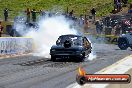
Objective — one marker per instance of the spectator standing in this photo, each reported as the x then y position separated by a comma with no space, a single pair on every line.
119,7
101,26
115,4
98,27
117,29
71,13
6,14
93,12
1,29
107,21
42,13
81,21
86,24
28,12
34,15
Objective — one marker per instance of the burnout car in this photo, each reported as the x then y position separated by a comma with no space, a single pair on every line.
71,46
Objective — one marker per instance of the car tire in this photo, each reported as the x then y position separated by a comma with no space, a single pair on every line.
81,58
122,43
53,58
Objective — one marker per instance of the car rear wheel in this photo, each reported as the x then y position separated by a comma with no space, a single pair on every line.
122,44
53,58
81,58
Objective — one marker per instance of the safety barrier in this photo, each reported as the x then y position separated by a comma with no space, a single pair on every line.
15,45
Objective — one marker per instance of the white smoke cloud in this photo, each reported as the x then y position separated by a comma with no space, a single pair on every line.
49,30
92,55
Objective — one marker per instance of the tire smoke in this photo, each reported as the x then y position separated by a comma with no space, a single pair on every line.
50,29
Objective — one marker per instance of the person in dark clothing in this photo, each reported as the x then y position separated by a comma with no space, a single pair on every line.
119,5
1,29
107,21
81,21
93,12
71,13
98,27
6,14
117,29
34,15
28,12
115,4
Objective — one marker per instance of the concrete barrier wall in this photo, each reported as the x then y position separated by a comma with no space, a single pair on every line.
15,45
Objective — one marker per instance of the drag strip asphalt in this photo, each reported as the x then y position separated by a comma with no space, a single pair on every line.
39,72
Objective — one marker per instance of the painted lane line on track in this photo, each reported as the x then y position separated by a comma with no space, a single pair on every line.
115,68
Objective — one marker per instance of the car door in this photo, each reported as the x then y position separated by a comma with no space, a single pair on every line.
87,45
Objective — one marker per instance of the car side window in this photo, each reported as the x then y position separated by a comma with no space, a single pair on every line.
86,42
